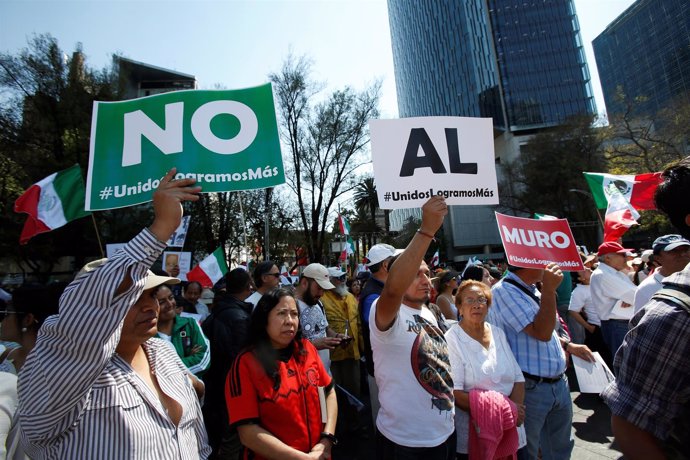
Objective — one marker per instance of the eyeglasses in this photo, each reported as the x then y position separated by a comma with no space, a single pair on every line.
480,300
4,313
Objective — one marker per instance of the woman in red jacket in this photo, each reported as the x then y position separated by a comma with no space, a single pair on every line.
272,390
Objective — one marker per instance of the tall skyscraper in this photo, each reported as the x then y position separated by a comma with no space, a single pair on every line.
646,53
520,63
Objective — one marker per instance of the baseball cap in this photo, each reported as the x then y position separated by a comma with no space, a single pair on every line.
611,247
318,273
380,252
646,254
336,272
668,243
207,296
152,280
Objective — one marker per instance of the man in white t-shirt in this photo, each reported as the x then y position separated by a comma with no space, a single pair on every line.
416,418
672,253
313,322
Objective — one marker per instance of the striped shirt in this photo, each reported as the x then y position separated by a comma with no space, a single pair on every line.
512,310
78,399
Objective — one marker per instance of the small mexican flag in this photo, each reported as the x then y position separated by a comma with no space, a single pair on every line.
52,202
348,249
344,225
435,260
209,270
620,215
637,190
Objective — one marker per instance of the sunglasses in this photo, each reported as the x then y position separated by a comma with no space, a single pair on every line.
5,313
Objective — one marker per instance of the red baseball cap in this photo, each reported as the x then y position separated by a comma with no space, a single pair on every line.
609,247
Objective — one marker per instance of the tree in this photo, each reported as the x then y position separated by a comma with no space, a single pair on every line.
636,142
45,124
547,176
326,141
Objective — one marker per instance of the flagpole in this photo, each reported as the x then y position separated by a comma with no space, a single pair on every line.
98,235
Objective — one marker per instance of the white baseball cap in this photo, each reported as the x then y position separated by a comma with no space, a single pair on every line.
336,272
380,252
152,280
318,273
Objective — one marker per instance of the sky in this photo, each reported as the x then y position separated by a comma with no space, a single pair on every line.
236,44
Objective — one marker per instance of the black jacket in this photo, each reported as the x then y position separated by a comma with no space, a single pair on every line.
227,329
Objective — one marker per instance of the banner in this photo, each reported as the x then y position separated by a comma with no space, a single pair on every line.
531,243
416,158
226,140
177,262
180,233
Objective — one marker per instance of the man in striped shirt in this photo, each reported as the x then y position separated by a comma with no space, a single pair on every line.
98,385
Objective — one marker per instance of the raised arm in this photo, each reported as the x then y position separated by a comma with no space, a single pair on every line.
406,267
74,347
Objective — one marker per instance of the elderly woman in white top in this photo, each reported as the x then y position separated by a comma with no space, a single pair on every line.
480,358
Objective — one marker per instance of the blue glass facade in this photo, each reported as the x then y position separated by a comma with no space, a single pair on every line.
520,62
646,52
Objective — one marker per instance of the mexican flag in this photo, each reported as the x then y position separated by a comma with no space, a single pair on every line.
52,202
620,215
344,225
637,190
209,270
435,260
348,249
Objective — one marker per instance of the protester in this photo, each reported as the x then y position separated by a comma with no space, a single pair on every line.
411,357
184,334
447,282
355,287
21,319
529,320
266,277
311,287
611,287
672,254
113,390
272,390
192,293
343,317
227,327
482,361
650,398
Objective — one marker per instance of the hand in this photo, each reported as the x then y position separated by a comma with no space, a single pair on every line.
521,414
625,305
552,277
198,385
591,328
433,213
326,343
321,450
167,203
581,351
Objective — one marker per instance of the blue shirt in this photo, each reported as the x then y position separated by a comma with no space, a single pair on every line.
512,310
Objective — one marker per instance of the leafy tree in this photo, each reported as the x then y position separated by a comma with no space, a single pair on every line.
326,141
548,175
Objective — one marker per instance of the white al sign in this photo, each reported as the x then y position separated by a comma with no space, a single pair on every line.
416,158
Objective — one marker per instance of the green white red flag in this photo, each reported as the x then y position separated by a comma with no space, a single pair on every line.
638,190
435,260
52,202
344,225
210,270
620,215
348,249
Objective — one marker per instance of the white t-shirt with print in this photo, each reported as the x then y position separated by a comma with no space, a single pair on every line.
414,379
313,322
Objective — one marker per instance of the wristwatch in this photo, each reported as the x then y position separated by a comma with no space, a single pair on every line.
565,344
330,436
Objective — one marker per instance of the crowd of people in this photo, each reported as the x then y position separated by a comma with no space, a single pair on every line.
471,363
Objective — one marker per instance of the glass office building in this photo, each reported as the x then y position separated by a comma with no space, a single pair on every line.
646,53
520,62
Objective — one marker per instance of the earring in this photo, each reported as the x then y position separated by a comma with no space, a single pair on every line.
24,329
